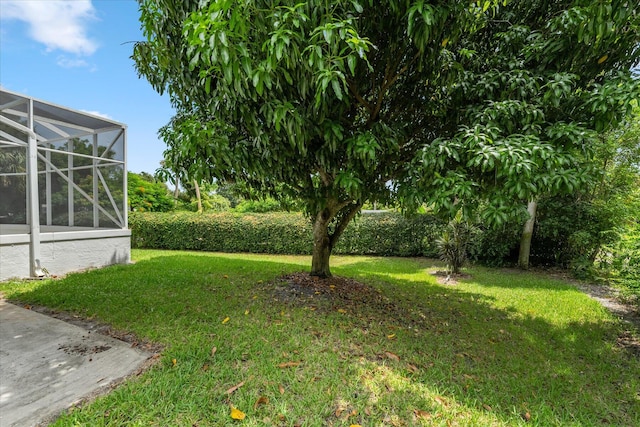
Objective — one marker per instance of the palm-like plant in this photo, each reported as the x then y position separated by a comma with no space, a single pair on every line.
453,244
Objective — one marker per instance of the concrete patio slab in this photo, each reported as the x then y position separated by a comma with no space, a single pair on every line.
47,365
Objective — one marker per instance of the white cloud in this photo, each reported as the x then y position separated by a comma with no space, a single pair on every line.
65,62
98,113
58,24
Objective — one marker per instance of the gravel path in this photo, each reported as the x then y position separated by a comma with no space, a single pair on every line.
629,314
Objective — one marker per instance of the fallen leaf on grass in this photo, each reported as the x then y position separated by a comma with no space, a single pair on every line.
213,350
234,388
412,368
526,416
262,400
487,407
342,310
226,319
392,356
237,414
281,388
392,336
421,414
355,425
225,276
246,312
205,367
174,362
288,365
440,400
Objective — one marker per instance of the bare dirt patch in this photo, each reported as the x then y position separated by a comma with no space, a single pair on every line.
302,289
93,326
448,278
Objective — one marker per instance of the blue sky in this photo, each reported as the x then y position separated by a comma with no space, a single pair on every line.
76,53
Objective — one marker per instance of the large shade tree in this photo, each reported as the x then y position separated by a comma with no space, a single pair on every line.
340,102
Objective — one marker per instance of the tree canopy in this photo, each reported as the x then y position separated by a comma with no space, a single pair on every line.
336,103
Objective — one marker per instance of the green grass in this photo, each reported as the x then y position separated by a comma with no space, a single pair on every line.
483,352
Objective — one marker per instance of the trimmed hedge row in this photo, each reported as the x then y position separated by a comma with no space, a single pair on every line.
389,234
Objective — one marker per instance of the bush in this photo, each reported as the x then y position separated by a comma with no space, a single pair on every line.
210,203
222,232
259,206
388,234
147,195
620,263
496,247
391,234
453,244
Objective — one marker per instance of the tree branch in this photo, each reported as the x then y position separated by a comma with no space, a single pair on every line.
324,176
387,82
360,99
344,221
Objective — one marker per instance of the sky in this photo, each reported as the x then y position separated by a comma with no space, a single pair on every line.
76,53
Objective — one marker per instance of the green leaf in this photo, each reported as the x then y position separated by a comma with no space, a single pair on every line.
337,89
351,62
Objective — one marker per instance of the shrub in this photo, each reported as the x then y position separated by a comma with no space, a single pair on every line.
388,234
495,246
147,195
454,242
259,206
620,263
210,203
222,232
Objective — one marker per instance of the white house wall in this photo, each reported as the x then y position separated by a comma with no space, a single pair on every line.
64,252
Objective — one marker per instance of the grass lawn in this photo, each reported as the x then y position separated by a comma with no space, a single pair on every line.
500,347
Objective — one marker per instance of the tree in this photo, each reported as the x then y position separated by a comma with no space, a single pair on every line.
146,194
343,102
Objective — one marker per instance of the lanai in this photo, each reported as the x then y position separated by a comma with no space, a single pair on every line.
63,182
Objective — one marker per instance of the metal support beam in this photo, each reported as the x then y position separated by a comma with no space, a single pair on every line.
47,186
33,202
125,185
96,203
70,198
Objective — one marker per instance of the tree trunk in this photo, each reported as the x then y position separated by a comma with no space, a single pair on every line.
195,183
321,245
527,234
176,191
323,241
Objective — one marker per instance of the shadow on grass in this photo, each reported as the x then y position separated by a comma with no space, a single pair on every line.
443,350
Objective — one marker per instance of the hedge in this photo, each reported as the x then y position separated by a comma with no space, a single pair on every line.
388,234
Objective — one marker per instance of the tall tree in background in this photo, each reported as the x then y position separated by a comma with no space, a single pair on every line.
337,103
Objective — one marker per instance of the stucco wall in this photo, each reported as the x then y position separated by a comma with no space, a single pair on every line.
64,252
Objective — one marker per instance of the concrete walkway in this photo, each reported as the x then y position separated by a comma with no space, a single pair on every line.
47,365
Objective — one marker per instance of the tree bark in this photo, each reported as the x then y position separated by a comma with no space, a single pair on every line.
323,240
176,191
195,183
527,234
321,245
